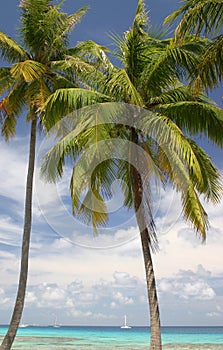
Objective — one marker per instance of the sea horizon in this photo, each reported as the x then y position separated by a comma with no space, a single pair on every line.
24,325
67,337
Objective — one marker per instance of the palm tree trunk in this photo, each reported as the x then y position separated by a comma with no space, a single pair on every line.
155,338
19,304
155,329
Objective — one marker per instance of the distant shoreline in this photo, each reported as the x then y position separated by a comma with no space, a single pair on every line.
110,326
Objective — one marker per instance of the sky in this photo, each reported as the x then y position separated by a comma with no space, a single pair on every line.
97,280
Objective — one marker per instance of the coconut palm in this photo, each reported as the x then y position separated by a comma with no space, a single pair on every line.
34,73
203,18
158,108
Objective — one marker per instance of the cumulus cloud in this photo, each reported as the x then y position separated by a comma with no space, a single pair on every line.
123,279
188,285
3,298
78,293
198,290
122,299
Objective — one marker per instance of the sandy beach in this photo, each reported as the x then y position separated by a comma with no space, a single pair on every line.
45,343
193,347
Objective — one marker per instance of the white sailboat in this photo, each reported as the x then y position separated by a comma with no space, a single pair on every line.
23,325
125,324
55,323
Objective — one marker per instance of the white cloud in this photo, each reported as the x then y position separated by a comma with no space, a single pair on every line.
53,294
213,314
121,299
125,280
10,231
3,298
199,290
113,305
31,298
188,285
79,313
13,165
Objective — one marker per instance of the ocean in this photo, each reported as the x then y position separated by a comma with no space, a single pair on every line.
109,338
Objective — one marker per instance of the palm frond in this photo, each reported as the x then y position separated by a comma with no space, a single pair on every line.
37,93
197,117
179,93
75,18
119,85
81,130
8,122
125,177
94,53
44,29
60,79
181,181
28,70
10,50
11,107
210,65
186,155
6,80
212,183
84,72
64,101
167,66
167,134
198,15
140,22
92,210
103,176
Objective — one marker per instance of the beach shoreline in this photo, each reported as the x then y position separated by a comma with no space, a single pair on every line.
60,343
192,346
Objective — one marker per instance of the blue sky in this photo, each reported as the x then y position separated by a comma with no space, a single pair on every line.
82,285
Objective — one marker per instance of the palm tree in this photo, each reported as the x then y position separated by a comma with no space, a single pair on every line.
157,108
203,18
35,72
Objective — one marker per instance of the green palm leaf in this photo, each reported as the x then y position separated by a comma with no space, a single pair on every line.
94,54
10,50
196,117
64,101
120,86
202,17
192,207
6,80
37,93
207,14
75,18
211,63
28,70
212,182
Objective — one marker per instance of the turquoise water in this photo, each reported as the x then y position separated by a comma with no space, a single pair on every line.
109,338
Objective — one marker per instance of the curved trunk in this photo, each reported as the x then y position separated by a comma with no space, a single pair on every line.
155,329
155,338
19,304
